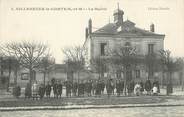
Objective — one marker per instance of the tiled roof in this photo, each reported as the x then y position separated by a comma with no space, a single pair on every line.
107,29
128,29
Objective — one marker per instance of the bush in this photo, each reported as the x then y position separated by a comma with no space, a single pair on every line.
17,91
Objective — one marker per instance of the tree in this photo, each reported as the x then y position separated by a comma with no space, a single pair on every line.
1,61
11,64
99,65
180,69
152,63
169,66
2,70
46,65
74,59
126,57
27,53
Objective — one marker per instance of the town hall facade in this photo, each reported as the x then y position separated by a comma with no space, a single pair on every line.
122,33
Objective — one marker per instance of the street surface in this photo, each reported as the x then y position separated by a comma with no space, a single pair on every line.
174,111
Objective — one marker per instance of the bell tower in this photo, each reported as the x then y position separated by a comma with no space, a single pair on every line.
118,16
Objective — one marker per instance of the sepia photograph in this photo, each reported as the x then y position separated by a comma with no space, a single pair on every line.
91,58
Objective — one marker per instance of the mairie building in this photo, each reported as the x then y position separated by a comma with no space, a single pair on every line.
122,33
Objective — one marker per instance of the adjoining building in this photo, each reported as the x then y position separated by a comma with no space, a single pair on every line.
123,33
57,72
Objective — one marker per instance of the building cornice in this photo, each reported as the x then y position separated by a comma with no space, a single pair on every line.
127,36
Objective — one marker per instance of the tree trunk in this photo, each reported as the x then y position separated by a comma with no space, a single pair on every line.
162,80
9,74
15,77
182,83
78,76
30,75
2,69
170,77
2,72
44,75
169,83
170,74
125,87
48,75
8,83
182,80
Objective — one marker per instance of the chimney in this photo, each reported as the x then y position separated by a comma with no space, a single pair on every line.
152,28
86,31
90,26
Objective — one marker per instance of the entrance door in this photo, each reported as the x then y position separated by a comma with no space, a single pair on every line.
129,75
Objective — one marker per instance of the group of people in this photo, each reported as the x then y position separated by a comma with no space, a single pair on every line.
91,88
81,88
148,87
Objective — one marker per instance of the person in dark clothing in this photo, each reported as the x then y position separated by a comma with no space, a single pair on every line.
17,91
98,88
90,88
53,81
55,86
41,91
130,87
113,86
81,89
86,86
142,87
68,88
48,90
74,88
102,86
121,86
60,89
94,87
148,87
28,91
118,88
109,87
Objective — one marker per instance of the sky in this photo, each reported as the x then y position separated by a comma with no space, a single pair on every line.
64,28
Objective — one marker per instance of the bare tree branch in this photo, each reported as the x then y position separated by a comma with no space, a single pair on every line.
27,53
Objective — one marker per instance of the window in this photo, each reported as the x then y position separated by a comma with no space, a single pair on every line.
103,48
24,76
137,74
138,48
127,47
150,48
127,44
